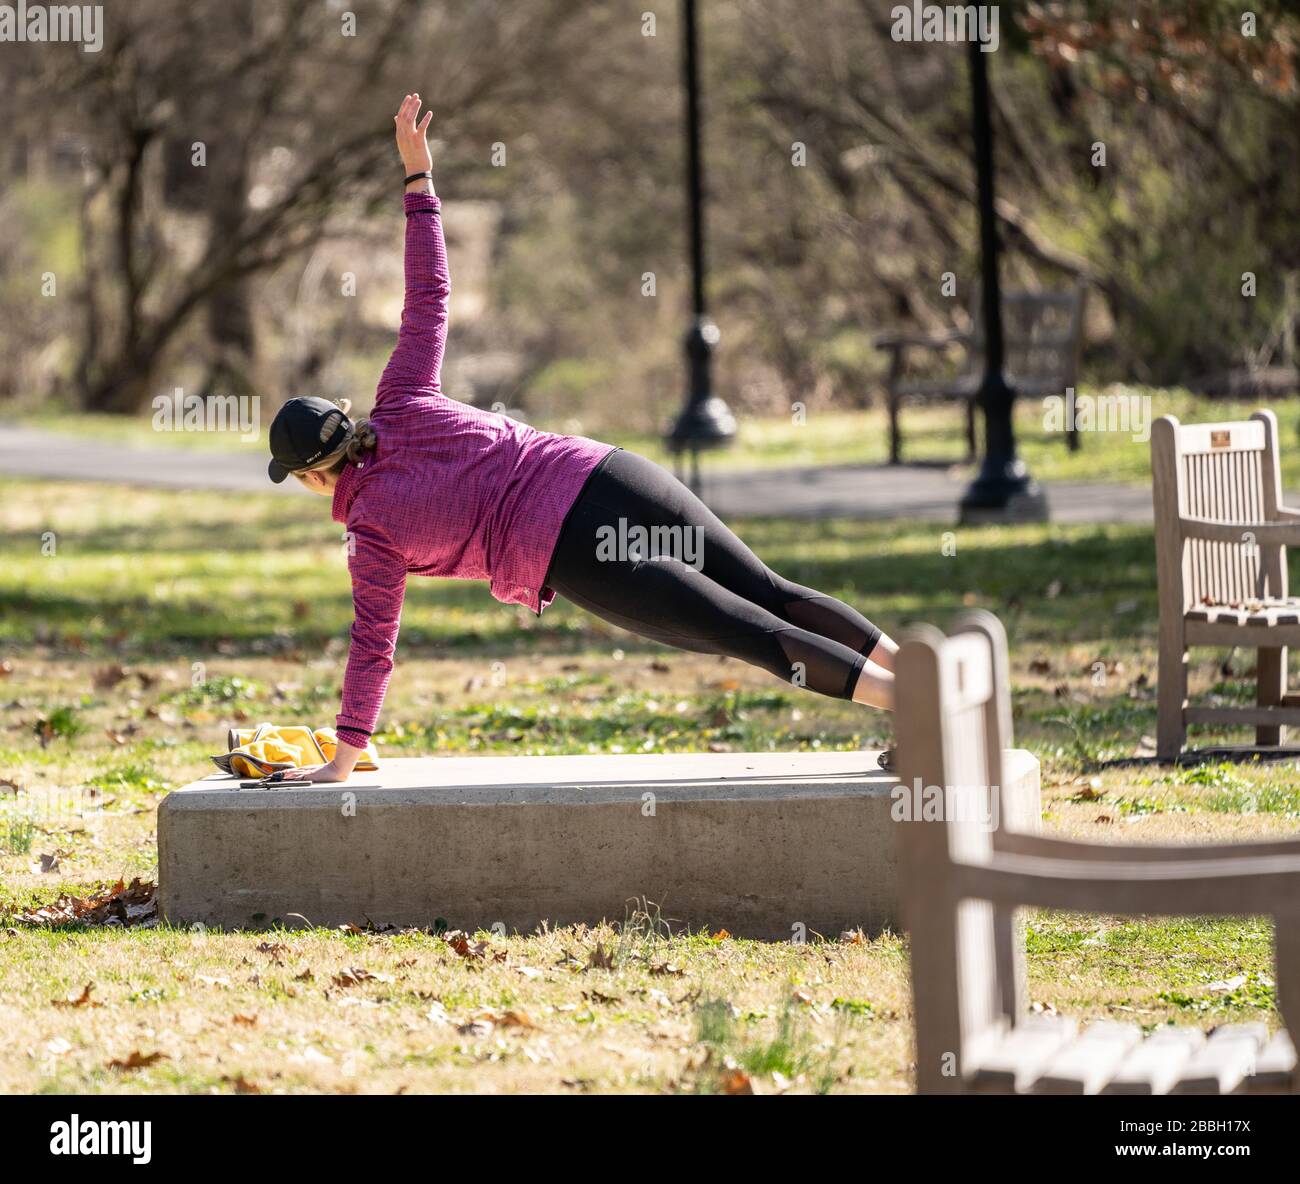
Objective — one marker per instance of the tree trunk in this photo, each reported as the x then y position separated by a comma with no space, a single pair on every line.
231,325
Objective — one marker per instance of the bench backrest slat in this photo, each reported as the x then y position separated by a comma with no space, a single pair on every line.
1224,472
1042,335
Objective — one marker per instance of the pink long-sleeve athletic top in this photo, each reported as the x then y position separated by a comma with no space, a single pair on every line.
450,490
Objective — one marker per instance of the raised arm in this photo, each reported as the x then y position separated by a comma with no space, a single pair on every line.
416,362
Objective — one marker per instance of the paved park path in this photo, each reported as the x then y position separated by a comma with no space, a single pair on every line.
846,491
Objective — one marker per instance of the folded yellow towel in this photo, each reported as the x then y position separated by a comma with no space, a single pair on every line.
260,751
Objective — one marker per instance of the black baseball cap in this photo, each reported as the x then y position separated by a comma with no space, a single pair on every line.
303,431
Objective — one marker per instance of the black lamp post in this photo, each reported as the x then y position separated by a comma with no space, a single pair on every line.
1003,490
705,421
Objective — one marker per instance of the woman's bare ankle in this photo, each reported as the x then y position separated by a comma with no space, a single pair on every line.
875,687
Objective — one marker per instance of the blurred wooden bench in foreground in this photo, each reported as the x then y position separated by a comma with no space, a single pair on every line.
961,882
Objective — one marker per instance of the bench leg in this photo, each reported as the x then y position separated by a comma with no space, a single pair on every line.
971,450
1171,699
1270,686
892,401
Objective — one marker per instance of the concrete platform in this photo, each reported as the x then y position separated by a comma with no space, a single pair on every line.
756,843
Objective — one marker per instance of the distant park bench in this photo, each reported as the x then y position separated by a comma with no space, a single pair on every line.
1043,338
1221,539
961,881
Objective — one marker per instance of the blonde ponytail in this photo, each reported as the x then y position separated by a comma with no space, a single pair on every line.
363,440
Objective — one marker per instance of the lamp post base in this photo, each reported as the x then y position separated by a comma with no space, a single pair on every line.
1003,493
706,420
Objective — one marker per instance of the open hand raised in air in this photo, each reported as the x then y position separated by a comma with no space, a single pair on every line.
411,141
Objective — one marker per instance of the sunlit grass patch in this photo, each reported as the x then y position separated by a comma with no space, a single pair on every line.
162,586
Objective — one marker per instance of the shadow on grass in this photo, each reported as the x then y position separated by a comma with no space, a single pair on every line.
1049,584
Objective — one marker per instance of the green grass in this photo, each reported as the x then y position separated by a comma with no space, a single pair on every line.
165,618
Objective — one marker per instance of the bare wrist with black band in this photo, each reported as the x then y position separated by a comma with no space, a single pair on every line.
427,175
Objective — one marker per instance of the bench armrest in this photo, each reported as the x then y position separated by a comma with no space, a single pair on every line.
1286,534
1019,843
1260,885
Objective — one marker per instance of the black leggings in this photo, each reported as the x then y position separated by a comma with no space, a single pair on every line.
642,551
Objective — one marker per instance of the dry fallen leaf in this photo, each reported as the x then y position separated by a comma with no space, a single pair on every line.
670,969
351,977
82,1000
107,677
600,958
137,1060
735,1082
247,1021
477,1027
459,941
355,975
119,905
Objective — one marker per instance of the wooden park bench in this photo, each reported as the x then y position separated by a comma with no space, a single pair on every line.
1043,338
961,880
1221,537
